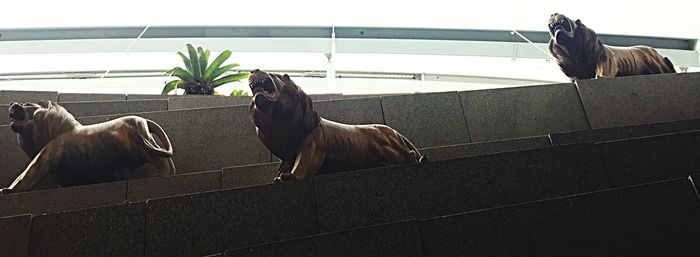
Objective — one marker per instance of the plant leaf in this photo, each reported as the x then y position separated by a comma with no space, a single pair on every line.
186,61
202,61
221,70
206,55
194,61
172,85
182,74
229,78
215,65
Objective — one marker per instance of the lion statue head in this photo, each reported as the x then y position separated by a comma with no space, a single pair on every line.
281,112
576,47
37,123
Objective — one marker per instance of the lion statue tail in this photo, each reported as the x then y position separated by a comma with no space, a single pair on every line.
668,66
167,149
420,158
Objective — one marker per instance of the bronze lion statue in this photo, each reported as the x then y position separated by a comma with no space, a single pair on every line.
581,55
291,129
77,155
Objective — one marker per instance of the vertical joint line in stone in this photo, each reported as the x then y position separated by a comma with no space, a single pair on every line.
583,107
464,116
381,106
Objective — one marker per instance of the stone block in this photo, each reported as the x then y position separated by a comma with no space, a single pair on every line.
13,159
353,199
150,188
351,111
212,222
192,102
625,132
396,239
249,175
80,97
642,160
145,96
660,219
63,199
430,119
9,96
108,231
644,99
475,149
468,184
516,112
14,235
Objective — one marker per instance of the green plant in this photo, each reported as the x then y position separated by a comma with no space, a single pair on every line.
200,76
239,93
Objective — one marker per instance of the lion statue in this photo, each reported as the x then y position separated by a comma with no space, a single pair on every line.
581,55
77,155
288,125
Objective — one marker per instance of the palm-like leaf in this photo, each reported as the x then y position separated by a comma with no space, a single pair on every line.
186,61
215,65
202,61
172,85
182,74
229,78
194,61
222,70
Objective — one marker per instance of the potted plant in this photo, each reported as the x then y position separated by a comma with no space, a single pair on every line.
199,76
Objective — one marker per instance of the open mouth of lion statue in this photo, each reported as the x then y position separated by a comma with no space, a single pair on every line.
561,28
20,114
264,88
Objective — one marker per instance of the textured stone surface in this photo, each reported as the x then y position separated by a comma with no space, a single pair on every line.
642,160
14,235
8,96
13,159
78,97
641,99
433,119
352,111
109,231
212,222
325,97
63,199
143,189
249,175
191,102
468,184
652,220
522,111
212,139
366,197
491,147
625,132
397,239
146,96
83,109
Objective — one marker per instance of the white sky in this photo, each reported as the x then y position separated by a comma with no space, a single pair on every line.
638,17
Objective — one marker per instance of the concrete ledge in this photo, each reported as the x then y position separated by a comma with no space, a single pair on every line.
145,97
505,113
626,132
212,222
353,199
7,96
109,231
484,148
397,239
13,159
643,160
191,102
640,99
78,97
85,109
63,199
660,219
352,111
14,232
249,175
144,189
432,119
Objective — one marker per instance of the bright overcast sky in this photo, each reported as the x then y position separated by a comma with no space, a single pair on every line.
640,17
